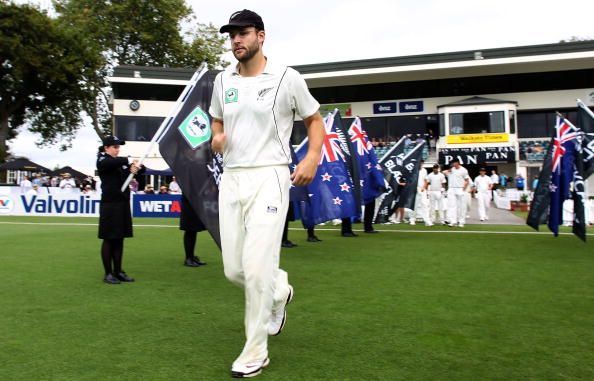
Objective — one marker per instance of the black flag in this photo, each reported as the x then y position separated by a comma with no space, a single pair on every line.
539,207
585,123
185,146
396,165
412,165
579,196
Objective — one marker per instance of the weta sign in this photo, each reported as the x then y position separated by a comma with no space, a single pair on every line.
478,155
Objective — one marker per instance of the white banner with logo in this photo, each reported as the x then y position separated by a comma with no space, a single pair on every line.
48,202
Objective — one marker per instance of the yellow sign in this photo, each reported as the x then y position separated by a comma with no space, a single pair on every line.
477,138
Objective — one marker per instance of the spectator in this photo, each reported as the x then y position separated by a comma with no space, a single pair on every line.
34,191
174,186
37,180
534,183
88,189
133,185
54,181
520,182
149,189
163,189
494,180
503,180
26,185
67,182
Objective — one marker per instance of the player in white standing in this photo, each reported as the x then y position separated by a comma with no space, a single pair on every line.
421,201
253,107
482,188
457,182
434,184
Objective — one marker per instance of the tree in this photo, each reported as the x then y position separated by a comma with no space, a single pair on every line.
137,32
41,68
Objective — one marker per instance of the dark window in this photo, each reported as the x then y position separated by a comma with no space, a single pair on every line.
477,123
136,128
495,84
148,92
441,124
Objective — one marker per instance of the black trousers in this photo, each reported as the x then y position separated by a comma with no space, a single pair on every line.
368,215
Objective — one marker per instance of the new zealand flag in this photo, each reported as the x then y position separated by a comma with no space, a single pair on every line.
331,193
370,172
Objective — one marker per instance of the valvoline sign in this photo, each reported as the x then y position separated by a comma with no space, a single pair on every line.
156,205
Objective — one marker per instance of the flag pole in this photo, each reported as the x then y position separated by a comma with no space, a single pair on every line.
166,124
586,108
392,149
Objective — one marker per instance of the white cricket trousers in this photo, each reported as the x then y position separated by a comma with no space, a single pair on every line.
457,206
484,199
435,204
253,204
421,208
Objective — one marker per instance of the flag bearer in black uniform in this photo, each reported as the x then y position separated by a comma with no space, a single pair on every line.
115,219
191,224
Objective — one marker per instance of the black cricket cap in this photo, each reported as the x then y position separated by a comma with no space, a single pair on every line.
435,165
242,19
482,170
113,141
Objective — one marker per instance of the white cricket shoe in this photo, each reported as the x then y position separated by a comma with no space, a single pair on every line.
248,370
279,317
413,222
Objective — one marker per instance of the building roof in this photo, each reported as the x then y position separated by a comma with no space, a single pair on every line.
463,64
476,101
23,164
131,71
466,55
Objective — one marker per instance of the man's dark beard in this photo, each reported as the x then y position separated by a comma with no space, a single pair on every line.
251,52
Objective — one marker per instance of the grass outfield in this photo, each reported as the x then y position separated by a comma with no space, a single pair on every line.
401,305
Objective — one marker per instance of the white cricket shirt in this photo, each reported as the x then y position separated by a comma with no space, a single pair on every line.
436,181
258,114
456,177
421,179
482,183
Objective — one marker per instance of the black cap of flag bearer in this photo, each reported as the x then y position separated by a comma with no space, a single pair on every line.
242,19
113,141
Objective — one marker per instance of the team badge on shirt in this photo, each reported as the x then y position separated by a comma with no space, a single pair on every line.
196,128
231,95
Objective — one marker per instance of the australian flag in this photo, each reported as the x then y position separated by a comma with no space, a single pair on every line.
185,146
370,172
331,193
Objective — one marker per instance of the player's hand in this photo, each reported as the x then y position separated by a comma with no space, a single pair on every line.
304,172
218,142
